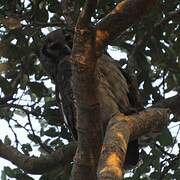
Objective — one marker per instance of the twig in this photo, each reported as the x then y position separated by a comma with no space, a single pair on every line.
172,163
43,146
15,135
42,25
175,138
164,152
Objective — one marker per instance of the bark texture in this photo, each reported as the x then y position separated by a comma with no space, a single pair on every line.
120,129
125,14
88,110
101,97
38,165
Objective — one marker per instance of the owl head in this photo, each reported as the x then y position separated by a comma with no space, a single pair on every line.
55,46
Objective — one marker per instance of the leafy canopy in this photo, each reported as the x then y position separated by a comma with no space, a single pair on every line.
28,96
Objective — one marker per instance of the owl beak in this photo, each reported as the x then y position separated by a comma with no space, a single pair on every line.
68,48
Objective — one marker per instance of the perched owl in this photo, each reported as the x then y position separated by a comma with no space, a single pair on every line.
54,57
113,88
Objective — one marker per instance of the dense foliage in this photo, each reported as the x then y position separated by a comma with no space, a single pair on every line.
27,99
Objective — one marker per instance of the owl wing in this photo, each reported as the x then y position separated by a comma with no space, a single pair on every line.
113,92
64,92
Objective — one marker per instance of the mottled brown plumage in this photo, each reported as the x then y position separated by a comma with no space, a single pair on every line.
112,90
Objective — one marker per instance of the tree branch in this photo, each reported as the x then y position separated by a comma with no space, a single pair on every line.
120,129
84,88
86,14
38,165
120,18
42,25
68,8
173,103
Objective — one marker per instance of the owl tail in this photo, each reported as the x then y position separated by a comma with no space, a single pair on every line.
132,154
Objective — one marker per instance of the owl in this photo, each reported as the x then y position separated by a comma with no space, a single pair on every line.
54,57
113,88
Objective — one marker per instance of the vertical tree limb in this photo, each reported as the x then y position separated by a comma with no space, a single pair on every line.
68,8
84,60
84,83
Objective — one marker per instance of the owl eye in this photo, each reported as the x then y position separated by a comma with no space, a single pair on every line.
55,46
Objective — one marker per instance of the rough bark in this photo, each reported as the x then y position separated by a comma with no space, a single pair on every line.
173,103
125,14
38,165
88,44
120,129
88,127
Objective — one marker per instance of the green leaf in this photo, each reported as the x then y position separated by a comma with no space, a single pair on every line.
57,142
155,175
5,85
166,138
38,88
65,134
26,148
3,175
20,112
177,174
9,171
34,138
16,173
41,15
51,132
54,6
53,116
7,140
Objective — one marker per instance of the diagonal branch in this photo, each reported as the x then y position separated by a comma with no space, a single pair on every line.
173,103
120,18
120,129
38,165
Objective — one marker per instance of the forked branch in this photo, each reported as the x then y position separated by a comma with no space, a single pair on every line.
120,129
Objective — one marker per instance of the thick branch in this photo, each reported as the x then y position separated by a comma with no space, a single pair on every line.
38,165
119,130
87,12
120,18
84,84
173,103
